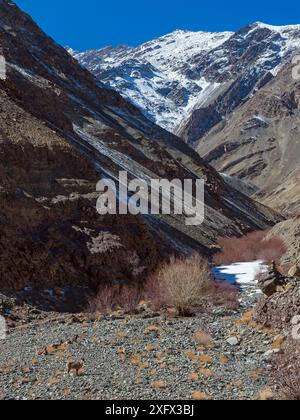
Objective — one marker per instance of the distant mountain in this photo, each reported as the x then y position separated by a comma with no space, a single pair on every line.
187,82
155,75
260,143
60,130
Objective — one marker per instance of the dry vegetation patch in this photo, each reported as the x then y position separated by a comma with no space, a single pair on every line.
185,285
252,247
204,339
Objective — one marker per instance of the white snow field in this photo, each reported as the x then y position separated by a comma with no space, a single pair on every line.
243,274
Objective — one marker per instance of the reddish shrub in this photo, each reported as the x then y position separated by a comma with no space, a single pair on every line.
112,297
252,247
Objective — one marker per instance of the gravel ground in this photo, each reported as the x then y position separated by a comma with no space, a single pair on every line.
136,357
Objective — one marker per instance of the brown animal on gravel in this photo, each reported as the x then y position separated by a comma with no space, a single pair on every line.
75,367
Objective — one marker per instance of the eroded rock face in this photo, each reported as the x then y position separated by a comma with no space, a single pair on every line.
50,232
271,281
281,300
289,231
69,243
279,309
294,271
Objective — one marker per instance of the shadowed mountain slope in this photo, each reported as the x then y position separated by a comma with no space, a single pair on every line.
60,130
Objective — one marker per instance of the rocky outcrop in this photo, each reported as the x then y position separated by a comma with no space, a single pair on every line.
271,281
281,302
50,232
289,231
278,310
294,271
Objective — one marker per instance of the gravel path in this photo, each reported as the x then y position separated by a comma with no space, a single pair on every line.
138,358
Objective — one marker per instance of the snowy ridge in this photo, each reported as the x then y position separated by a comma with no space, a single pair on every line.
170,77
281,29
153,75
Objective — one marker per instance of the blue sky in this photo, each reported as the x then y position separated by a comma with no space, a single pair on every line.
84,24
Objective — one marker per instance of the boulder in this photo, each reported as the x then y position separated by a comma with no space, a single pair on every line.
294,271
233,341
271,281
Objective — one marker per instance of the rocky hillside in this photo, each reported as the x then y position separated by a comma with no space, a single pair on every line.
50,233
188,82
289,230
260,143
60,130
280,304
231,95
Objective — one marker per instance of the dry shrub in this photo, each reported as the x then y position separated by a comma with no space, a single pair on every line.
187,285
153,293
251,247
112,297
226,295
201,396
287,372
204,339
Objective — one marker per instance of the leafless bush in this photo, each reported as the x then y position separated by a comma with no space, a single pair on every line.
252,247
287,372
187,285
184,283
112,297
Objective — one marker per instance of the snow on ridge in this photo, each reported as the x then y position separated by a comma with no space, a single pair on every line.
147,74
281,29
180,46
162,76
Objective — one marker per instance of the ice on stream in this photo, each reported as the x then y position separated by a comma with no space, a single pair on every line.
243,274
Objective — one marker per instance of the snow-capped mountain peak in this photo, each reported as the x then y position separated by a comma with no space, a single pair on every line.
276,28
172,77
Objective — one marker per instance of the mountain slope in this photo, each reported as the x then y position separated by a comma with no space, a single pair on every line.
60,131
153,76
188,82
260,143
50,233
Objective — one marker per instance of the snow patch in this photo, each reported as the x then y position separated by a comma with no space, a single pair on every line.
243,274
